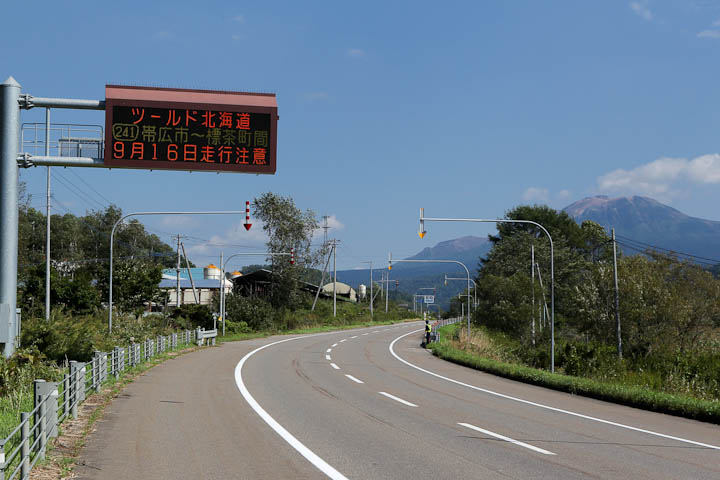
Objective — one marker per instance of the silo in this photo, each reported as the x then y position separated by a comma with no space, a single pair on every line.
211,272
362,291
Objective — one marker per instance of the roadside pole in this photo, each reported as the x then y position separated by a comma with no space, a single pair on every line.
9,139
47,230
617,296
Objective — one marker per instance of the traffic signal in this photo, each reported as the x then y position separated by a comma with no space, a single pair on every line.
292,256
422,231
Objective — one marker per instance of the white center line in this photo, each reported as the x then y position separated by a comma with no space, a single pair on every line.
343,340
334,345
335,366
507,439
327,357
354,379
328,350
353,337
404,402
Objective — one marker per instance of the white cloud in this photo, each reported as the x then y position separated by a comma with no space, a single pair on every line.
544,196
233,240
356,53
641,10
534,194
333,224
660,176
238,19
713,34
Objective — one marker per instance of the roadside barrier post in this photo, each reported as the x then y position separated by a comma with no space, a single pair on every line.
74,369
43,428
25,450
66,394
47,393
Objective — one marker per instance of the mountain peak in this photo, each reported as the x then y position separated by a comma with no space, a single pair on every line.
646,220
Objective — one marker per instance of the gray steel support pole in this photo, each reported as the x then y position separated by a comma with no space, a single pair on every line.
532,276
9,139
47,229
178,302
617,296
322,279
387,291
334,278
222,290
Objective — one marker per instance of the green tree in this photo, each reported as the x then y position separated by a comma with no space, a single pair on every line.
287,227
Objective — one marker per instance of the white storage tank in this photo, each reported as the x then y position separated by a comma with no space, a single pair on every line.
211,272
362,291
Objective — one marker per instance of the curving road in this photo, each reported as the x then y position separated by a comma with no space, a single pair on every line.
371,404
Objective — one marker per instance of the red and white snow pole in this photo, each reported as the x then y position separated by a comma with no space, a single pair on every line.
247,223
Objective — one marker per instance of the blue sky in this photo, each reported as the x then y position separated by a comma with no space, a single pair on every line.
464,108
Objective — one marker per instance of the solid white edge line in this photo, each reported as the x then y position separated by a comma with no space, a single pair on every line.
507,439
327,357
398,399
318,462
540,405
354,379
335,366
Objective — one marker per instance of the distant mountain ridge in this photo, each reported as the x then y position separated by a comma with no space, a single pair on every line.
646,220
412,276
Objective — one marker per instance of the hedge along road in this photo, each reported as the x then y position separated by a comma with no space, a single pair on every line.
346,405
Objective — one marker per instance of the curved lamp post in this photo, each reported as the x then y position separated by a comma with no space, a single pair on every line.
422,232
390,262
135,214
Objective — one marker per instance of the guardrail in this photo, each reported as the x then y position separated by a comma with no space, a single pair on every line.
434,334
27,443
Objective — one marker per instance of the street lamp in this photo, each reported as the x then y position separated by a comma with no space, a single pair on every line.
474,288
422,232
390,261
135,214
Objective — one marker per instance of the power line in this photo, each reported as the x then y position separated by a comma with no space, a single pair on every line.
72,170
667,249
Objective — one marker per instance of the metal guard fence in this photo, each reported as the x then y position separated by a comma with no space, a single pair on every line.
27,443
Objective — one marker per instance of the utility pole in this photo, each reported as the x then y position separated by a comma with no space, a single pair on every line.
387,291
617,296
177,274
47,230
334,278
532,275
371,287
322,279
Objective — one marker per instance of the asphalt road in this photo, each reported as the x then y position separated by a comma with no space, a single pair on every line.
371,404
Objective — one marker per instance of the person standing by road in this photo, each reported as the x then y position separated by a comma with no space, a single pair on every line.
428,331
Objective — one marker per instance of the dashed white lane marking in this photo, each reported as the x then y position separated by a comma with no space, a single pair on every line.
404,402
328,350
334,345
507,439
343,340
353,337
335,366
540,405
366,334
354,379
318,462
376,331
327,357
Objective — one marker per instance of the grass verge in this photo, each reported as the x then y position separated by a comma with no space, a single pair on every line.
633,396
